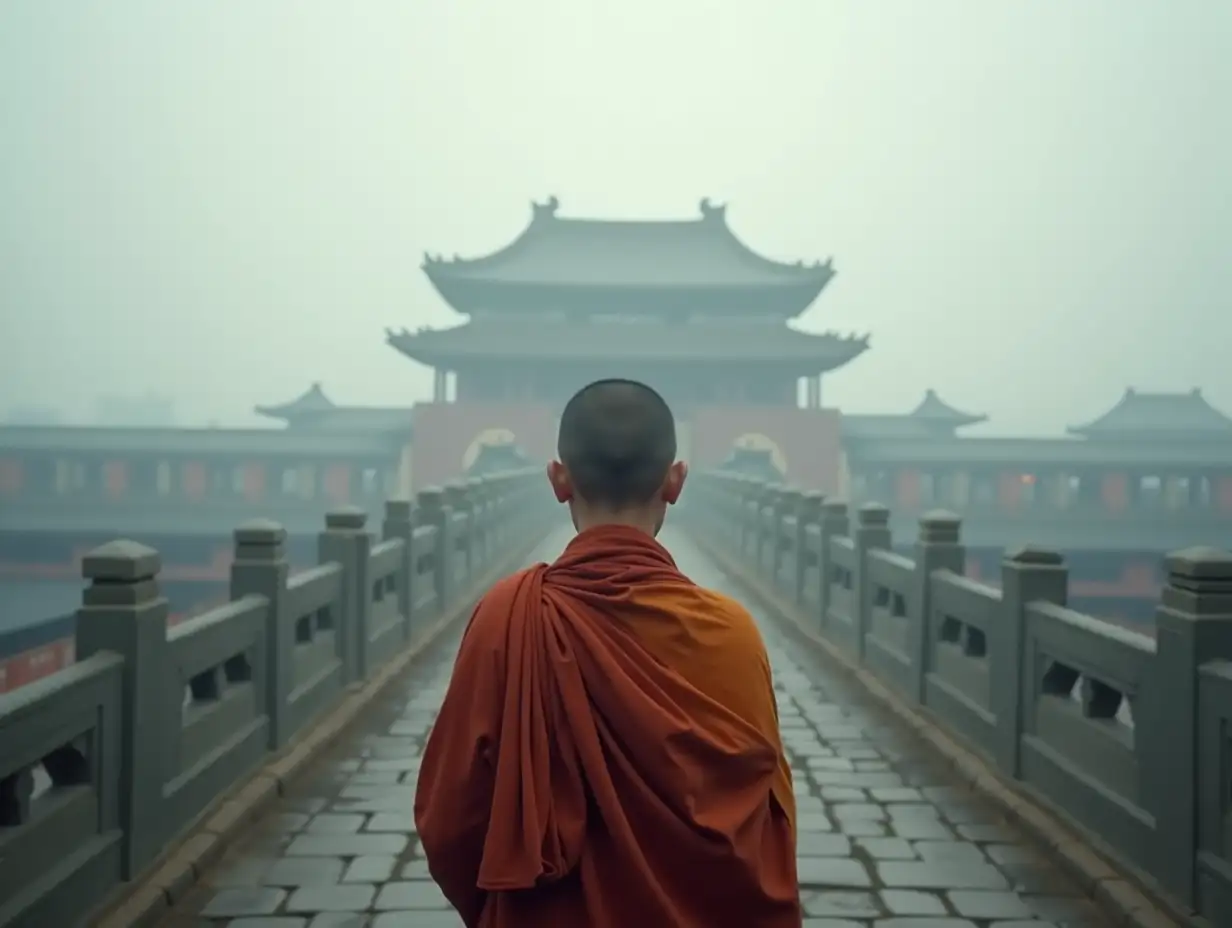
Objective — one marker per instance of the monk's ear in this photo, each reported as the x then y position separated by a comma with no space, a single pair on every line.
562,486
674,483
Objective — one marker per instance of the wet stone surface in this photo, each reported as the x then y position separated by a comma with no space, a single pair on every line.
886,840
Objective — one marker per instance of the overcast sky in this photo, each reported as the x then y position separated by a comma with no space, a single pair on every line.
1027,202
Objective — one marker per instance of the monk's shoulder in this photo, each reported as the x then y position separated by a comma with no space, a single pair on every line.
494,610
506,588
735,618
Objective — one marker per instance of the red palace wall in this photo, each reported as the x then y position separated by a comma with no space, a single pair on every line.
18,670
35,664
447,433
805,443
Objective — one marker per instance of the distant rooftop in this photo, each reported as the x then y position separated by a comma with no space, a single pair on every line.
312,400
1164,415
932,417
314,411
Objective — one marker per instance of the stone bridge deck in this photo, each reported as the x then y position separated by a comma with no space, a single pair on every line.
887,838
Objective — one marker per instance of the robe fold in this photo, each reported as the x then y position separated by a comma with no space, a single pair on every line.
608,755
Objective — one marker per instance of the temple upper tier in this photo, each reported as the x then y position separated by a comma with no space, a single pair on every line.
627,268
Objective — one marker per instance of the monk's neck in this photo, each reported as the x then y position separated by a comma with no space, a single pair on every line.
645,523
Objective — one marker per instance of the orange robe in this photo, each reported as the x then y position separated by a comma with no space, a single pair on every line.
608,754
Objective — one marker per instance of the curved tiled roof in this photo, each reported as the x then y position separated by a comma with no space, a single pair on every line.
312,400
701,254
932,417
934,409
1141,415
526,340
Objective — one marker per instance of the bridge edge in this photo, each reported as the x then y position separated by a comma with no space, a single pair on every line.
1122,894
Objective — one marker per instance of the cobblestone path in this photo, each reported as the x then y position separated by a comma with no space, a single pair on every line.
886,840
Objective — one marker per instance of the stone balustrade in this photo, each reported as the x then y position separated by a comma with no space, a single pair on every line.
1125,736
110,761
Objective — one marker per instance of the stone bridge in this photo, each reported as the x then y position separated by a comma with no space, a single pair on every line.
964,757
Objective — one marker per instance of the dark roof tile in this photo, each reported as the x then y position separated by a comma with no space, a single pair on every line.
1139,415
700,253
934,409
312,400
643,341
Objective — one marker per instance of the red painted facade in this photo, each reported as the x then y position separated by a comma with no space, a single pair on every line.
22,669
446,432
10,476
804,443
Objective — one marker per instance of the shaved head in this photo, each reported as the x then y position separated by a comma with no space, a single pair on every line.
618,442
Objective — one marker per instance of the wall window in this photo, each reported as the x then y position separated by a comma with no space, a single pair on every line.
239,479
1027,493
11,474
983,491
1200,493
70,476
928,489
162,478
1149,490
63,476
290,481
370,481
1177,492
307,481
1069,490
960,489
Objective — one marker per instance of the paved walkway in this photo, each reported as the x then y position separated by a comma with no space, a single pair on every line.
886,840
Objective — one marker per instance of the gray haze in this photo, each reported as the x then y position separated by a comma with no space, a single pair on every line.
1027,203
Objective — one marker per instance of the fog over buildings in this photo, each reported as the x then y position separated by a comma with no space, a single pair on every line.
220,203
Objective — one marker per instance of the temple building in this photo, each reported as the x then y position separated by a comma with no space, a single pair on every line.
682,305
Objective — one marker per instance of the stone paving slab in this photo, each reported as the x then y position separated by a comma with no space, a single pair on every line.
886,837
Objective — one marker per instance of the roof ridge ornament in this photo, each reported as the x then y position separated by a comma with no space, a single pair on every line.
545,210
712,212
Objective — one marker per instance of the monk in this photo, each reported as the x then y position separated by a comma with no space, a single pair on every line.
608,752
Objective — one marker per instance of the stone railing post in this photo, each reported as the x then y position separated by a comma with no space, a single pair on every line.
486,493
808,512
834,524
123,610
712,507
750,521
786,555
723,510
1028,575
717,509
1193,625
872,533
768,529
260,568
937,547
480,519
494,505
458,501
345,541
399,523
431,504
